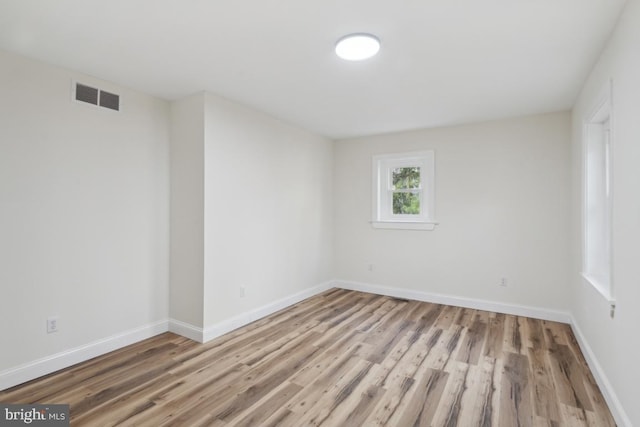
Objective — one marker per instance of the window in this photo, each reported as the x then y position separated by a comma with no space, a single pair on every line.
597,200
403,191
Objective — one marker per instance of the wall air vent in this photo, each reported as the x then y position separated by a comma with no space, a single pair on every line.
86,94
109,100
98,97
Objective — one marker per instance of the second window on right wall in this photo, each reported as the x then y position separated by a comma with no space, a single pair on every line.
597,196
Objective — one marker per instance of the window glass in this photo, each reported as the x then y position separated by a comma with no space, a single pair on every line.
406,203
406,178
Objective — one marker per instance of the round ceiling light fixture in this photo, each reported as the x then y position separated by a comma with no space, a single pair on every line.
356,47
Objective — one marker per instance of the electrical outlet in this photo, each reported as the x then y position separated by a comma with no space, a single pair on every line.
52,324
370,267
243,291
503,282
612,311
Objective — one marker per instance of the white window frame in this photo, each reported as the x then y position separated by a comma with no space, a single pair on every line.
382,193
597,140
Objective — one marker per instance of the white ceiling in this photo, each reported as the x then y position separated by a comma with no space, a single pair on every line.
442,61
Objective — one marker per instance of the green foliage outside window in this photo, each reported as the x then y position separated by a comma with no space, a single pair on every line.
406,178
406,204
406,201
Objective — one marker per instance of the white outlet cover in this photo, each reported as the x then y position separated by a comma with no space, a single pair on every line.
52,324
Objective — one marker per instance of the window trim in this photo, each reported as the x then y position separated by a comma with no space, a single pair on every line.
381,215
599,118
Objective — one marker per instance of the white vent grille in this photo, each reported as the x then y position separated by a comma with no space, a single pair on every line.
95,96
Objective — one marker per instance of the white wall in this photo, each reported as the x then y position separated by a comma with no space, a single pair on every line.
84,224
614,342
502,202
268,209
187,210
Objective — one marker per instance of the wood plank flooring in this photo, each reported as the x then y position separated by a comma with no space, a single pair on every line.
342,358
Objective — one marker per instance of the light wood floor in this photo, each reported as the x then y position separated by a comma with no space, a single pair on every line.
342,358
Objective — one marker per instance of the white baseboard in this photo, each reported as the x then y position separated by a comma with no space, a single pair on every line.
477,304
186,330
618,412
228,325
46,365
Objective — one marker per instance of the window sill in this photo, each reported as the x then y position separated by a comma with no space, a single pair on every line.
598,286
404,225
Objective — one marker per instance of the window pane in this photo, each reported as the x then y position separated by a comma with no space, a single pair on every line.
597,207
405,178
406,203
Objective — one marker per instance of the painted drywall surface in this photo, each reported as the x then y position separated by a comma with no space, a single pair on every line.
187,210
268,209
501,200
84,211
614,342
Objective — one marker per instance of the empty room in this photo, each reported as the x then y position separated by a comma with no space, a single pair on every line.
305,213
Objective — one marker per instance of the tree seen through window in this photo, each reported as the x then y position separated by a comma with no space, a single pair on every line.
405,182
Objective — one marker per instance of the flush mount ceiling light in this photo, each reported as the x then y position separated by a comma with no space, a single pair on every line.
356,47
